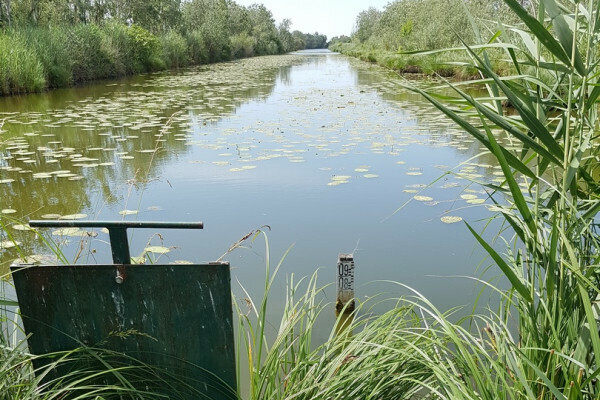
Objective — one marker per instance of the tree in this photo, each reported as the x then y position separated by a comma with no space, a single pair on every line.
366,22
285,36
209,21
264,30
316,41
299,40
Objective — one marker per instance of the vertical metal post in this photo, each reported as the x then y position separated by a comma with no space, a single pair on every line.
119,245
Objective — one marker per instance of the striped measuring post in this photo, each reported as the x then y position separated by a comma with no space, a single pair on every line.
345,284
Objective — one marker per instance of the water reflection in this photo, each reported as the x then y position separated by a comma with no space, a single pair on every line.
320,147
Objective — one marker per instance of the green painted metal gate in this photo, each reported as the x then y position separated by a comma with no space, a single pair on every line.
177,318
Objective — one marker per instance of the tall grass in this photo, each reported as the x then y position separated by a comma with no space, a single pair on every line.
21,70
552,265
541,341
36,58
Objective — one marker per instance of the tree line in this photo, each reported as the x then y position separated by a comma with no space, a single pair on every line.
62,42
385,36
428,24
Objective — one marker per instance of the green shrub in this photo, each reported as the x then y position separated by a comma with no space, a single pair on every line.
117,45
242,45
87,54
146,49
198,53
49,45
175,50
20,68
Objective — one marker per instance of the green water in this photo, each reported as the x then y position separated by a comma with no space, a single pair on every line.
320,148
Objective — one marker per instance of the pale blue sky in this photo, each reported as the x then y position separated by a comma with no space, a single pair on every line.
330,17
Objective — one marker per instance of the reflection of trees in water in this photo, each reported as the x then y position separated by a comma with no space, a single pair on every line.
104,122
285,72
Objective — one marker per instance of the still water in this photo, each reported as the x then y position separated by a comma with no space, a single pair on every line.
325,151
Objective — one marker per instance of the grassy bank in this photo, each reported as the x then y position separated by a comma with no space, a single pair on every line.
33,59
442,64
47,44
391,36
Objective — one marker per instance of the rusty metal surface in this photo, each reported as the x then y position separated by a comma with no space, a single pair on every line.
178,317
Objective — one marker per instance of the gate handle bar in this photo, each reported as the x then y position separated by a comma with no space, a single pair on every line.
117,230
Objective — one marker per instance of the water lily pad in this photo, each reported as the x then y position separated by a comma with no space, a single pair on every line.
450,219
128,212
51,216
157,249
22,227
423,198
450,185
410,191
8,211
476,201
414,173
181,262
336,183
36,259
370,176
340,178
8,244
6,180
41,175
67,232
468,196
73,216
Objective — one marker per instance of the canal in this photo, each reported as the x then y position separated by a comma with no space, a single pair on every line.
324,153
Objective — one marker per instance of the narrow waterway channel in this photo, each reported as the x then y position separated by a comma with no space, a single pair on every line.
320,148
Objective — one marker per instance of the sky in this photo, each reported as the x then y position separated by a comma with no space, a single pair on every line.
329,17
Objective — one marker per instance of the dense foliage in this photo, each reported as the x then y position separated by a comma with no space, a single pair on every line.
407,26
57,43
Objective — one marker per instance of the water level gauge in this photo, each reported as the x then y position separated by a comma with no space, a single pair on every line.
345,282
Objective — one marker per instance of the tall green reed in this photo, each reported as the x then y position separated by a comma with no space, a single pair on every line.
552,265
283,361
20,68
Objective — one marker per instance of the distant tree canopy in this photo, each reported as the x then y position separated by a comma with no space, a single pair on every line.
425,24
315,41
340,39
222,26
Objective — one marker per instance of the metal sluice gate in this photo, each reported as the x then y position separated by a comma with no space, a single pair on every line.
175,318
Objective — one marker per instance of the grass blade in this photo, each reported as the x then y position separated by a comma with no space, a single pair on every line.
516,283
